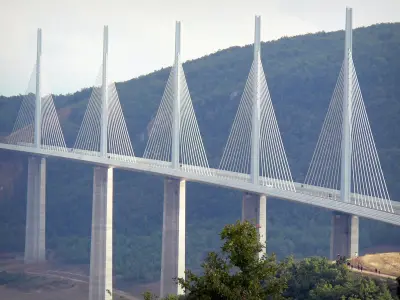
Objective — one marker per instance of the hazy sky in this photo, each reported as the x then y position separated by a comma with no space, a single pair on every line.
142,33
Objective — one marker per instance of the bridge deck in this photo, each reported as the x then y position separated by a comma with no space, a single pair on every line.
312,195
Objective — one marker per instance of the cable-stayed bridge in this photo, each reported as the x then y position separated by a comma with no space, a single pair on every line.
344,175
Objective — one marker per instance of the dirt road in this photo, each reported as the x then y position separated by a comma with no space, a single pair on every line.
372,273
47,271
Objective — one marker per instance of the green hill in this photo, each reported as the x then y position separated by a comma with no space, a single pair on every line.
301,73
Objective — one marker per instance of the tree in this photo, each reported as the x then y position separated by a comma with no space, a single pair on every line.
237,272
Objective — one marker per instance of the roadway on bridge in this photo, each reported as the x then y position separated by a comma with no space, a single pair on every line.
309,195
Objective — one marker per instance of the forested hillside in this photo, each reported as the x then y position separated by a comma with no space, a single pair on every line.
301,73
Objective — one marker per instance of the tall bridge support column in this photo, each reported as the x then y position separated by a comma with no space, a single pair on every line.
35,234
344,235
254,210
344,238
100,282
173,236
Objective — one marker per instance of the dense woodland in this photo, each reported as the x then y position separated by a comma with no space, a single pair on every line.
301,73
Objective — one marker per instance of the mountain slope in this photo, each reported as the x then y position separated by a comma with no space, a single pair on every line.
301,74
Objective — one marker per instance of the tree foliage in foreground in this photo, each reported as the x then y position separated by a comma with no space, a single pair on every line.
237,272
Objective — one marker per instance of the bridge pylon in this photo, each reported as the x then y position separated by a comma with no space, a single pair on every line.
254,144
346,158
174,139
38,98
35,233
37,124
345,227
101,262
103,131
176,96
254,207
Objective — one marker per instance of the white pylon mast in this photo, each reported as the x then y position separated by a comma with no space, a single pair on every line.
104,97
38,100
345,178
255,122
176,109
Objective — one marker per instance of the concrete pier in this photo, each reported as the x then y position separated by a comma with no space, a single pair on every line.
254,210
173,238
344,235
35,234
100,282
